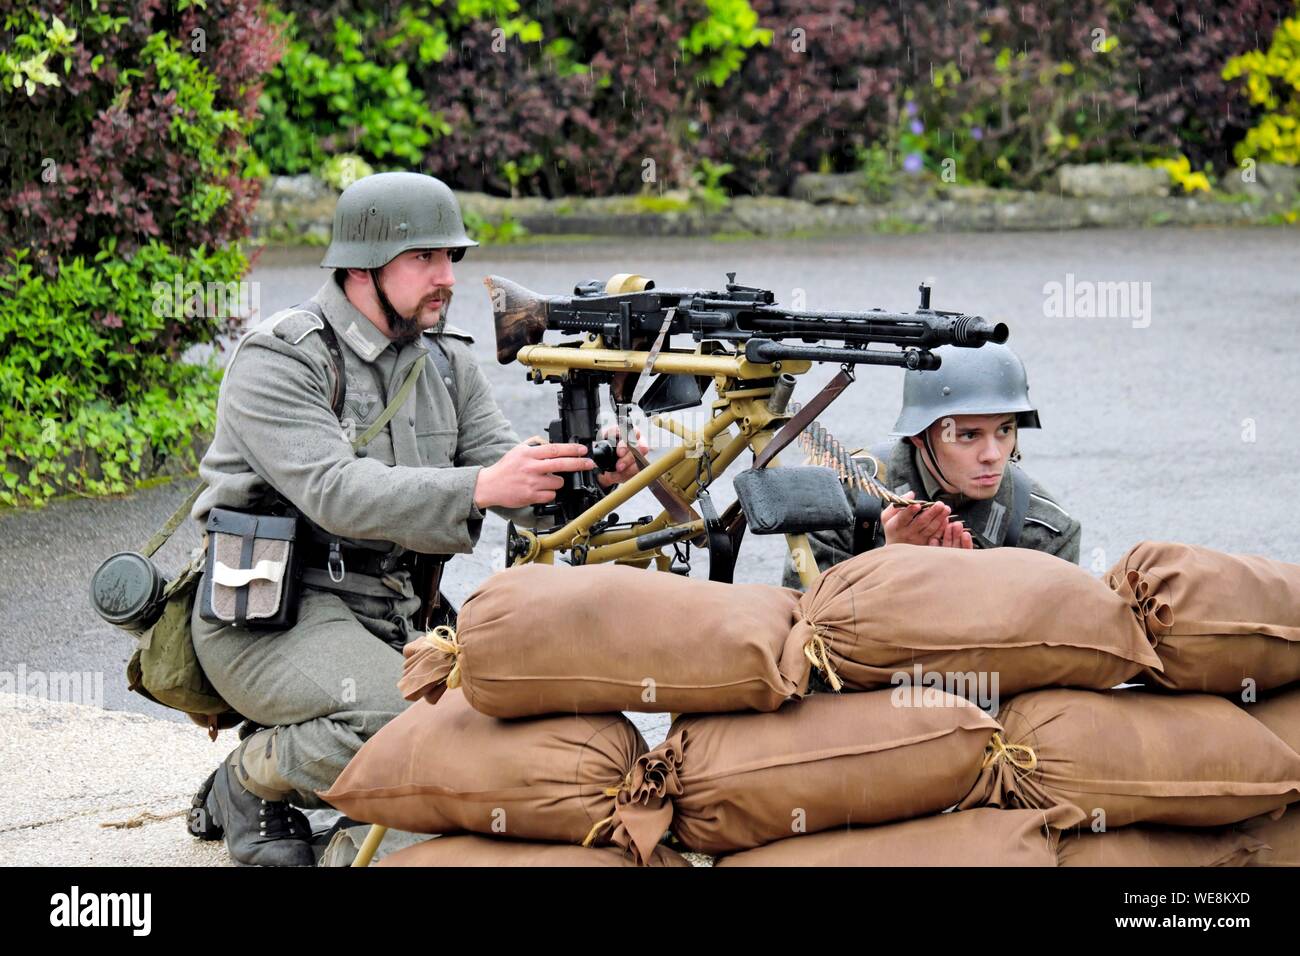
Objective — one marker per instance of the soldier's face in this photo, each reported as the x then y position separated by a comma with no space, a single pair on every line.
973,451
418,283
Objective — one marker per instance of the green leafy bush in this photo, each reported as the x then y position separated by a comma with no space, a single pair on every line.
128,157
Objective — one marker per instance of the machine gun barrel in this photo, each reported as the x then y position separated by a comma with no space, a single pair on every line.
923,330
740,315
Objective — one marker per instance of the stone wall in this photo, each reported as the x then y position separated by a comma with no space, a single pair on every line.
299,209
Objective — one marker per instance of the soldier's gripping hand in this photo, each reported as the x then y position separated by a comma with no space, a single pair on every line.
528,474
927,526
627,465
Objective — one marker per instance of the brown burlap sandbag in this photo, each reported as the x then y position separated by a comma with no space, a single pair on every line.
1280,713
489,851
1028,617
742,780
1216,619
1159,846
538,639
446,768
969,838
1187,760
1281,836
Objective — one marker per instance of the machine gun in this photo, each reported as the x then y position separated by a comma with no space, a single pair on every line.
744,343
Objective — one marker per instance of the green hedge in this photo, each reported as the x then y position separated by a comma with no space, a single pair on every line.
128,153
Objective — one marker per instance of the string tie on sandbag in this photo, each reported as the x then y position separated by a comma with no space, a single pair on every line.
599,825
819,656
590,838
430,665
444,639
1019,756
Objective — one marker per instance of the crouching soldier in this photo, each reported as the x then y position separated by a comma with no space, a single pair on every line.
956,444
363,417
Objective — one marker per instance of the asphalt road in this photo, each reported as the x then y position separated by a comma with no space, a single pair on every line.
1175,423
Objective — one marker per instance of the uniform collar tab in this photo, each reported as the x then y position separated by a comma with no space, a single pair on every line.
352,327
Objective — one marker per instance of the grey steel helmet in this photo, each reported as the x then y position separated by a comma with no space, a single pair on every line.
381,216
989,380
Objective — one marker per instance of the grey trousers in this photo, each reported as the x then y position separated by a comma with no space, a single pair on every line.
328,683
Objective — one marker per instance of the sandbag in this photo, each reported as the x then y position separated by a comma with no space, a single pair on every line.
1027,617
447,768
969,838
1280,713
1159,846
470,850
1187,760
539,639
1216,619
1280,835
738,781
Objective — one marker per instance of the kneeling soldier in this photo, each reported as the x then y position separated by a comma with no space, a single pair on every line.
324,416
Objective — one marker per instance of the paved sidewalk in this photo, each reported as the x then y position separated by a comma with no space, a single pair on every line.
67,769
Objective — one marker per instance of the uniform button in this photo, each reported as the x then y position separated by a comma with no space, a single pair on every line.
412,421
447,380
361,453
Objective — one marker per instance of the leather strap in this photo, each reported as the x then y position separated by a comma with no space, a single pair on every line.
245,560
336,356
169,527
804,417
392,408
725,534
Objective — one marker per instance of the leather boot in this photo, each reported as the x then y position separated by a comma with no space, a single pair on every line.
247,803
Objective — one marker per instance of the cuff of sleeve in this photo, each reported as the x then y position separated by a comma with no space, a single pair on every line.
460,522
475,513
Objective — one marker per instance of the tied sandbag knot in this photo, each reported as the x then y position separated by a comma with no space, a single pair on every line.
643,808
431,666
599,825
1006,780
1019,756
819,656
1138,589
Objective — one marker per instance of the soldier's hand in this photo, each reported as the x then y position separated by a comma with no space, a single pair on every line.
626,466
954,536
916,525
528,474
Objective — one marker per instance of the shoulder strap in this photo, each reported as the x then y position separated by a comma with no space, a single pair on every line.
1020,488
443,363
336,356
171,524
391,409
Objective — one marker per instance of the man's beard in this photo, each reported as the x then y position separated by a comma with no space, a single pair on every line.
406,331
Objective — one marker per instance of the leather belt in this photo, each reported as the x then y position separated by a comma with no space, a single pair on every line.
359,560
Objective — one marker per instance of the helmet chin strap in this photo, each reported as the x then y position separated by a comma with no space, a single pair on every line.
395,319
391,314
933,463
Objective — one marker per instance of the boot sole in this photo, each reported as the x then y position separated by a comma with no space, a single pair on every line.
202,813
